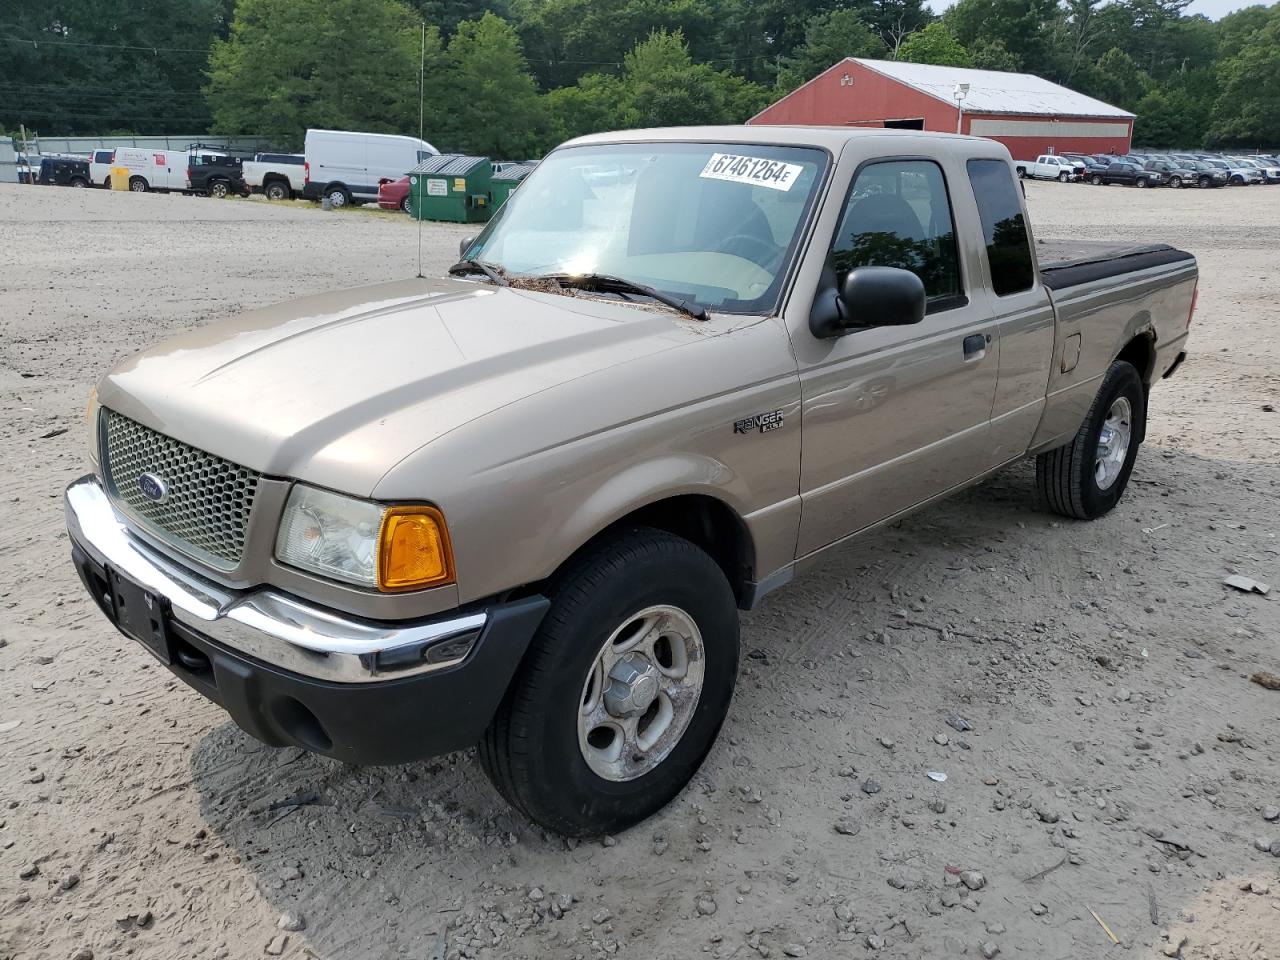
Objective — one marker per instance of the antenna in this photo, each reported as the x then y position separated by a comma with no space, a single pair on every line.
422,81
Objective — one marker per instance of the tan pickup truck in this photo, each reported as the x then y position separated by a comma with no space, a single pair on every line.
520,505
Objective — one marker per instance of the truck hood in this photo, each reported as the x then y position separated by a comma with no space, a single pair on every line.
336,389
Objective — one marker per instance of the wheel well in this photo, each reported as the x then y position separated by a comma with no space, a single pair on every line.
705,521
1140,352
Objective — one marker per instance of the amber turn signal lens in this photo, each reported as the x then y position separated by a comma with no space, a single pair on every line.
414,550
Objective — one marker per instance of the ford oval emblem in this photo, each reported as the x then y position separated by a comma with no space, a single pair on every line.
154,488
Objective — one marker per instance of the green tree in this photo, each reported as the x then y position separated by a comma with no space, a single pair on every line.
893,20
994,55
935,44
292,64
445,15
1118,80
1025,28
1246,113
662,86
828,39
73,67
490,105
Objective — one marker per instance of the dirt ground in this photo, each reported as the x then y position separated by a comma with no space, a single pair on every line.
1110,768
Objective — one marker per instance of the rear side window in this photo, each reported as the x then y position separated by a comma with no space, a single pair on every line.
899,215
1003,225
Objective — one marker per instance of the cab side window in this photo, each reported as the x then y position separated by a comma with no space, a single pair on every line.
1003,225
899,215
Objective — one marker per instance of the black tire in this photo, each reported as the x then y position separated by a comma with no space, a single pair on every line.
407,205
1066,482
531,750
1140,182
138,185
79,183
1175,182
1096,180
1237,181
1063,177
218,189
276,190
1205,183
338,196
1022,173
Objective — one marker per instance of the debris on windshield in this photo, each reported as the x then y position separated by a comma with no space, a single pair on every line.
492,271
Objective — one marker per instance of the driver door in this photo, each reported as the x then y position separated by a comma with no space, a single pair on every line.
895,415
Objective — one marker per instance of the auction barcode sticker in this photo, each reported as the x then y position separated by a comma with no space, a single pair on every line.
756,171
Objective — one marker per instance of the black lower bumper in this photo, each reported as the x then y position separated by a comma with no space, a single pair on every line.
382,722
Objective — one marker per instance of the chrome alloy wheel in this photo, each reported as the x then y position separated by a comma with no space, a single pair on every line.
1113,443
641,693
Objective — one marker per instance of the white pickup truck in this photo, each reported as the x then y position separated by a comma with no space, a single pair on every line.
1048,166
277,176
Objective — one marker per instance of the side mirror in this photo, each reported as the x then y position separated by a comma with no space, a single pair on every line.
869,297
465,244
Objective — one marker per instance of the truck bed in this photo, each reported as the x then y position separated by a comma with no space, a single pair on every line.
1069,263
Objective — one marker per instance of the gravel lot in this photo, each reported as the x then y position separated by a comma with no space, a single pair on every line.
1085,687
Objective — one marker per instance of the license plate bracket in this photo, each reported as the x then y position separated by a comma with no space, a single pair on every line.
141,615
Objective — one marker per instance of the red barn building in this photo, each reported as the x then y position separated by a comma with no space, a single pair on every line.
1028,114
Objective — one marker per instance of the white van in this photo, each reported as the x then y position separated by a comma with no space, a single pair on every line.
148,169
347,167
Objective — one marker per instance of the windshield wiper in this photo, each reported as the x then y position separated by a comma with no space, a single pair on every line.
610,284
479,266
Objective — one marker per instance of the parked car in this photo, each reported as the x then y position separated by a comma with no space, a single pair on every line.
64,172
1237,176
1128,174
149,170
394,194
1207,175
100,167
1049,166
1270,174
388,523
215,173
277,176
347,167
1175,174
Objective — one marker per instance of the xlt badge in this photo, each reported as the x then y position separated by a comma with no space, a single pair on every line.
764,422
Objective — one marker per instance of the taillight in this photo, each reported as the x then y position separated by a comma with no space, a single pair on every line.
306,172
1195,295
188,173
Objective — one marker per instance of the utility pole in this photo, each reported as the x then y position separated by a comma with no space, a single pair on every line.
959,93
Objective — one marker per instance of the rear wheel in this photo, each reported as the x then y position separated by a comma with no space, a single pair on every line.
277,191
137,185
1205,183
406,206
79,182
1175,182
218,189
1086,478
623,689
1140,182
1096,180
1022,173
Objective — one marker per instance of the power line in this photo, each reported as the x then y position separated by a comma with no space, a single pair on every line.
104,46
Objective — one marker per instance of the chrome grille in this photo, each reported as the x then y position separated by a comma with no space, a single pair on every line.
206,512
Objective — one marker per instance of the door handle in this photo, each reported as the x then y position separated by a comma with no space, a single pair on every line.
975,346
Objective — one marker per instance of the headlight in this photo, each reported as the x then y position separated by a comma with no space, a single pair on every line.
91,421
367,544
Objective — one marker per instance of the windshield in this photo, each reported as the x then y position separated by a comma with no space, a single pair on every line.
716,224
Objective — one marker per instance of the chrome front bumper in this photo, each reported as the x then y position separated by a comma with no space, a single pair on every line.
265,624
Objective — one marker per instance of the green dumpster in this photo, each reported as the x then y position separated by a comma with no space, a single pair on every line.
507,179
451,187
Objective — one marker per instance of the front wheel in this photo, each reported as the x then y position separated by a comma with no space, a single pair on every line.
623,689
338,197
1096,180
1205,183
1175,182
1140,182
407,205
1086,478
1022,173
1063,177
